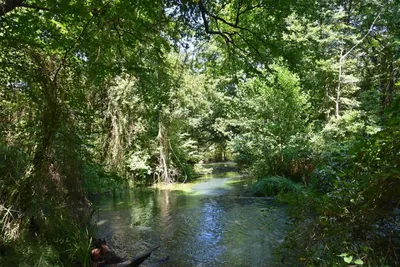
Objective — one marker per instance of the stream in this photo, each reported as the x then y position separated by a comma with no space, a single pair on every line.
207,223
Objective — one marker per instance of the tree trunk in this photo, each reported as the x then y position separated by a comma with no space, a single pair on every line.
337,102
163,148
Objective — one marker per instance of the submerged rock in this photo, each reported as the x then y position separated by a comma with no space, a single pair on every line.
102,256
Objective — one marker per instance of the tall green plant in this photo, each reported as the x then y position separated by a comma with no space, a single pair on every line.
272,120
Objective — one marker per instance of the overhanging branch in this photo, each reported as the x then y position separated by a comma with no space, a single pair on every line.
10,5
235,29
35,7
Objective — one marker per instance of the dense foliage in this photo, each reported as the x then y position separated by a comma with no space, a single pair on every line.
99,95
354,192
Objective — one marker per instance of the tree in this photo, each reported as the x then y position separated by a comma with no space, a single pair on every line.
272,119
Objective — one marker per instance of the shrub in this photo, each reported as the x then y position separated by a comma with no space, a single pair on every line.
349,214
272,186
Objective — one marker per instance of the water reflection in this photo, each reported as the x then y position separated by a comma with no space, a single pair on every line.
210,225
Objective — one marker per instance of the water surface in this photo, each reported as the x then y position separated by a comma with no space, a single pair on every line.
209,223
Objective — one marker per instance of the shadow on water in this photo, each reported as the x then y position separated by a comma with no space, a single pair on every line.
208,223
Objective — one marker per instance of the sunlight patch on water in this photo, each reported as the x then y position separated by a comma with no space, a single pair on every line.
210,184
101,222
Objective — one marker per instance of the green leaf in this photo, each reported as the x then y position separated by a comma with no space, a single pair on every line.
359,262
348,259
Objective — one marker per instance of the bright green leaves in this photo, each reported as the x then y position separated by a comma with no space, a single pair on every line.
271,121
60,27
359,262
350,259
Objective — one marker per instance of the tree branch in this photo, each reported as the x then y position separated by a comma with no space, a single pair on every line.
204,14
35,7
250,8
64,59
10,5
119,38
228,36
365,36
238,12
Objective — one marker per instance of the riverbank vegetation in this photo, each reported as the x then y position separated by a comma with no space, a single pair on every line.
101,95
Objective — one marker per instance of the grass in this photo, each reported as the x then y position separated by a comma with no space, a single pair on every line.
61,242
